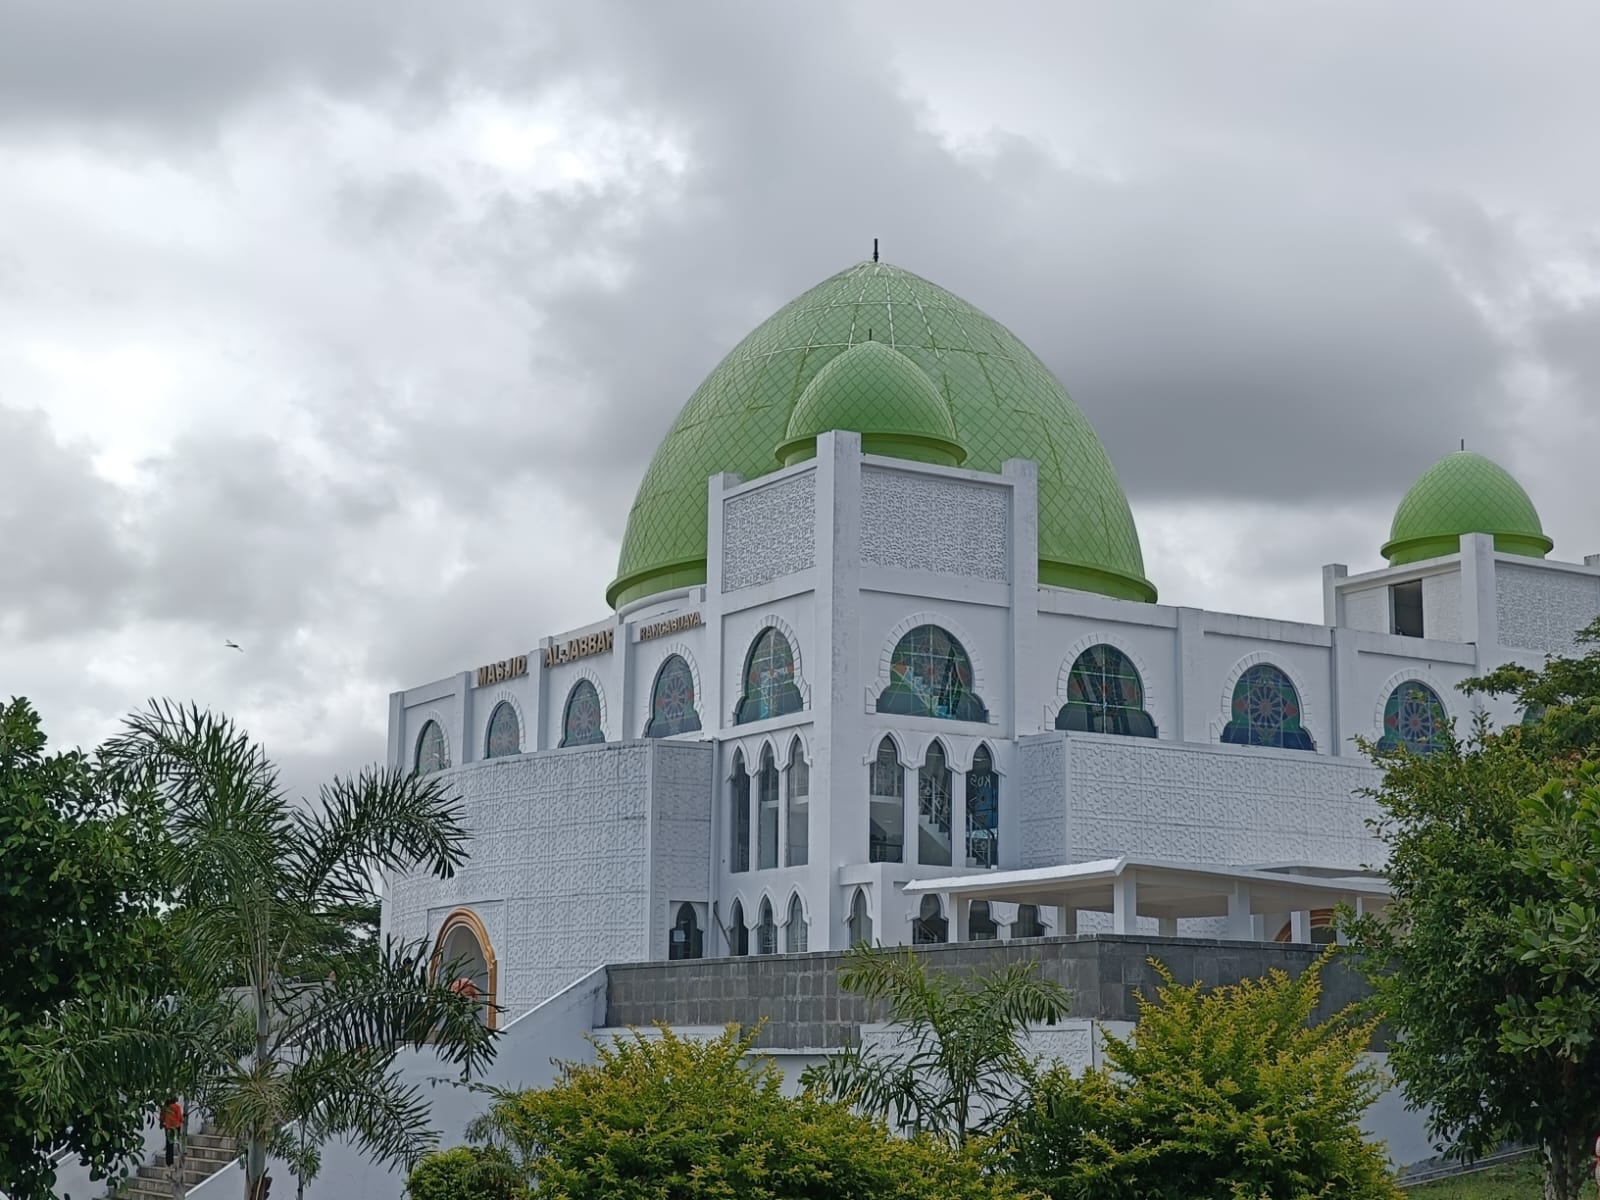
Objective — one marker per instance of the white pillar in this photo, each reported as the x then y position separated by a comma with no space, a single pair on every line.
1240,926
1300,925
1066,920
960,908
1125,903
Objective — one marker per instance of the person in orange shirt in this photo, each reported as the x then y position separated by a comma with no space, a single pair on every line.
171,1122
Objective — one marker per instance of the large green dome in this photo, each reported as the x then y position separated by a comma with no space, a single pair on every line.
1462,493
874,390
1002,399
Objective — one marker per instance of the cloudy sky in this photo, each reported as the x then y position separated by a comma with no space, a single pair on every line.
345,330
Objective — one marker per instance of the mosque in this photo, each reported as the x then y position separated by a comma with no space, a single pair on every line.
882,663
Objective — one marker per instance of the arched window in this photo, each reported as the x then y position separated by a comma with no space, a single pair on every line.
933,809
769,686
767,812
1414,718
930,675
766,930
930,927
860,920
886,806
794,933
686,940
797,795
983,811
505,732
580,720
1266,711
1027,924
432,753
980,925
462,953
739,812
672,708
738,933
1105,695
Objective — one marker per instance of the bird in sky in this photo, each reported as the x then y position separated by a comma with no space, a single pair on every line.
233,645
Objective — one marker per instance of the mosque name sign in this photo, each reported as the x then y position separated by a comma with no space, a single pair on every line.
580,647
514,667
671,625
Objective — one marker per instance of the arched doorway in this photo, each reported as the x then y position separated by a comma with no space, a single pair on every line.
463,949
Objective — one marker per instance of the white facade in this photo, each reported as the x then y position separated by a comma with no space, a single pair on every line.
587,854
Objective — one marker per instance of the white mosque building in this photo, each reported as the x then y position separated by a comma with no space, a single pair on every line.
881,663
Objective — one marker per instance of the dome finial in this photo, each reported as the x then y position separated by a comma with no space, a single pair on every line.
874,249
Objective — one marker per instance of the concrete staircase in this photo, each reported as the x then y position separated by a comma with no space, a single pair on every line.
207,1154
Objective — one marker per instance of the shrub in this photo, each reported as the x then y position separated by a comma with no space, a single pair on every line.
466,1173
1231,1093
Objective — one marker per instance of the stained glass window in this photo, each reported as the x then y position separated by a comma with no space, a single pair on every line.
1414,718
930,927
672,708
505,732
930,675
860,920
934,793
1266,711
685,939
1533,713
739,812
886,806
766,930
797,795
769,686
432,753
983,811
1105,695
738,932
1027,924
794,933
981,926
580,721
767,812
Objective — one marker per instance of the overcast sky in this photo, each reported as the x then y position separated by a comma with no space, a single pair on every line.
345,331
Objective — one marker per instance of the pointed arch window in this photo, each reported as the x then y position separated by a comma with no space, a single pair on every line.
981,926
934,793
983,811
794,931
739,815
738,932
432,753
767,812
1105,695
685,939
766,929
930,928
580,719
1027,924
505,732
930,675
1414,717
672,710
886,806
769,686
860,920
1266,711
797,797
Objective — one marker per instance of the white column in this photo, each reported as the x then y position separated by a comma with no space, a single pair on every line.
465,750
960,908
910,816
958,818
1196,698
1300,925
1125,903
1066,920
1240,925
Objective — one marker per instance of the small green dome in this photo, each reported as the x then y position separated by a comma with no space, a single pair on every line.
1462,493
874,390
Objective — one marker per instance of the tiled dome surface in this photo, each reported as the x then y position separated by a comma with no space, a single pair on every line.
1462,493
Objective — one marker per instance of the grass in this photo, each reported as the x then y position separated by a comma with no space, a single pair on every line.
1513,1181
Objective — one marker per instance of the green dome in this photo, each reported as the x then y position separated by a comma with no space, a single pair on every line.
881,394
1003,401
1462,493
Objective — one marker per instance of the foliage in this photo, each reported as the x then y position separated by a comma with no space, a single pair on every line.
466,1173
666,1118
1488,963
955,1066
78,909
1225,1093
254,878
1513,1181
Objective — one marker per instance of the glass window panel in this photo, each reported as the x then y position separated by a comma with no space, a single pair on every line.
930,675
930,927
798,797
432,754
983,811
685,939
767,820
1027,924
766,931
860,920
738,932
886,806
580,721
1105,695
1414,717
795,931
934,809
980,925
739,812
1266,711
505,732
769,686
672,710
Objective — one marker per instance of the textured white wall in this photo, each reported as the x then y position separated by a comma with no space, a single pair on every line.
1441,606
1539,608
918,521
1367,608
769,531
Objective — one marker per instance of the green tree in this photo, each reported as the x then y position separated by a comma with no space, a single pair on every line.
954,1064
1488,963
1231,1093
667,1118
78,894
466,1173
280,1065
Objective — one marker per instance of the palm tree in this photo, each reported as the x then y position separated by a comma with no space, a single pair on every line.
280,1064
954,1065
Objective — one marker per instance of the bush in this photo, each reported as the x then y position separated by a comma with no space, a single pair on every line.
672,1119
466,1173
1231,1093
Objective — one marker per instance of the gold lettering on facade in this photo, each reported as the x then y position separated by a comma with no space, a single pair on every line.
671,625
582,647
507,668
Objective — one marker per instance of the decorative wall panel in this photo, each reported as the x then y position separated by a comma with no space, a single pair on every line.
1540,609
769,532
928,523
